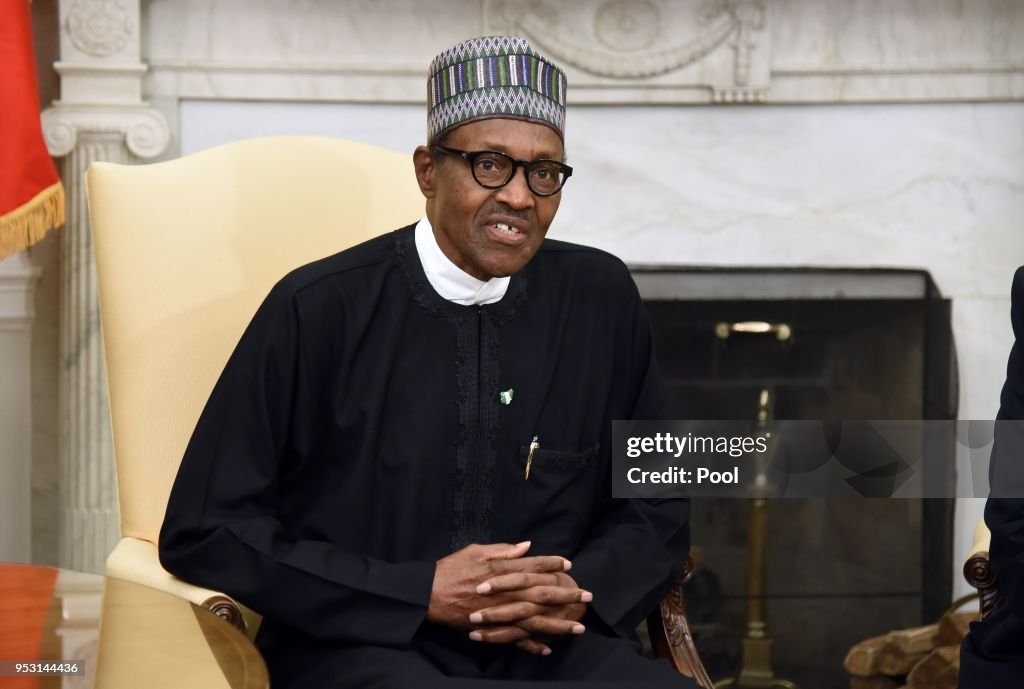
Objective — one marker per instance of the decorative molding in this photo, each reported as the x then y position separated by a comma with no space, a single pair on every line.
636,51
145,131
102,96
627,24
628,35
906,69
750,18
626,42
100,27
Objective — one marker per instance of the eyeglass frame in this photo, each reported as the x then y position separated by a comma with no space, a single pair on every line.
471,156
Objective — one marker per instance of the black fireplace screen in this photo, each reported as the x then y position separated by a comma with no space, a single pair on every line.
836,571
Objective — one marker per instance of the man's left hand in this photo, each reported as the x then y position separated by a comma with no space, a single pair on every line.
535,615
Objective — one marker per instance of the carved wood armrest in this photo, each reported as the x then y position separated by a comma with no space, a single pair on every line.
136,560
226,609
670,632
979,573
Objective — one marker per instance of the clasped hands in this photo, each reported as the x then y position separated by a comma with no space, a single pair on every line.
504,597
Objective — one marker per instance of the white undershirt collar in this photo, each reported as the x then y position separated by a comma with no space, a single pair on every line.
447,279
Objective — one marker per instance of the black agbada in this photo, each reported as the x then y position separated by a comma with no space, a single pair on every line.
358,434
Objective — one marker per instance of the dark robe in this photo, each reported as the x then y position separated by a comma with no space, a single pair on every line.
992,654
356,436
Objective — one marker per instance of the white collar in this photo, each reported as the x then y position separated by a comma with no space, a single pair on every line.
447,279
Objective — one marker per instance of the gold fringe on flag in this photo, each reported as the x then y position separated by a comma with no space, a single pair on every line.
26,225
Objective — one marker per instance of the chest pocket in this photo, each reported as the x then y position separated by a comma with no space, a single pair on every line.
547,460
556,503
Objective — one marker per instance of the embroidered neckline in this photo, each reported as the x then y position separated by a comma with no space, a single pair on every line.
503,310
475,353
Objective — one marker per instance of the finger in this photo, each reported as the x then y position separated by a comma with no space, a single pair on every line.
545,589
516,581
553,595
505,551
499,635
541,595
533,646
510,612
538,564
542,624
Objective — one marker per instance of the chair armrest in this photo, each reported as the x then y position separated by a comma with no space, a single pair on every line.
670,632
982,539
138,561
979,572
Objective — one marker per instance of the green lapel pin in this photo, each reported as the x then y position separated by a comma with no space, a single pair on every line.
506,396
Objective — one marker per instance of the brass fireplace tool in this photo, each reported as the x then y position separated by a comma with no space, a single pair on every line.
756,662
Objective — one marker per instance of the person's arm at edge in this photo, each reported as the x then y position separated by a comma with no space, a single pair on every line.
1005,515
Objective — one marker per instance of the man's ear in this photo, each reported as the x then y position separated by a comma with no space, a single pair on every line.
426,170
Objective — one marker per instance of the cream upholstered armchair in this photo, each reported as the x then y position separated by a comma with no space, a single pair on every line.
185,252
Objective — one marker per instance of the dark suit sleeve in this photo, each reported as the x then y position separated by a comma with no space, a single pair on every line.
637,550
1005,514
222,528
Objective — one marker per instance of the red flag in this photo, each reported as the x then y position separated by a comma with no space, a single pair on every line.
31,195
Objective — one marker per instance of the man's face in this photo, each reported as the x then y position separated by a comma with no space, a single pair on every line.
466,216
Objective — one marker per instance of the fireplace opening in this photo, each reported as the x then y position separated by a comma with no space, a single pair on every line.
840,344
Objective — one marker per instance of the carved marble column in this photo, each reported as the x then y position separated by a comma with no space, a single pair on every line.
17,280
100,116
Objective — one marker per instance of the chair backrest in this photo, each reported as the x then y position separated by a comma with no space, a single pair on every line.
185,252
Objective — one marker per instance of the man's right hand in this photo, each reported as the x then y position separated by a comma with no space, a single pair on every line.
455,596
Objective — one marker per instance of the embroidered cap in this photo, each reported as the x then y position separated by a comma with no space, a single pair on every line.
494,76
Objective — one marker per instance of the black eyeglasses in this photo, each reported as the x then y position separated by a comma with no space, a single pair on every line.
494,169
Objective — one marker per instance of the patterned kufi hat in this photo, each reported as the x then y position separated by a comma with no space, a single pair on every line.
495,76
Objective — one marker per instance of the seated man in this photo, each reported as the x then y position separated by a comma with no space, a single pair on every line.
405,465
992,654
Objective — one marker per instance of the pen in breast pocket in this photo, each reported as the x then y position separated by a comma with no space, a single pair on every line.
534,445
